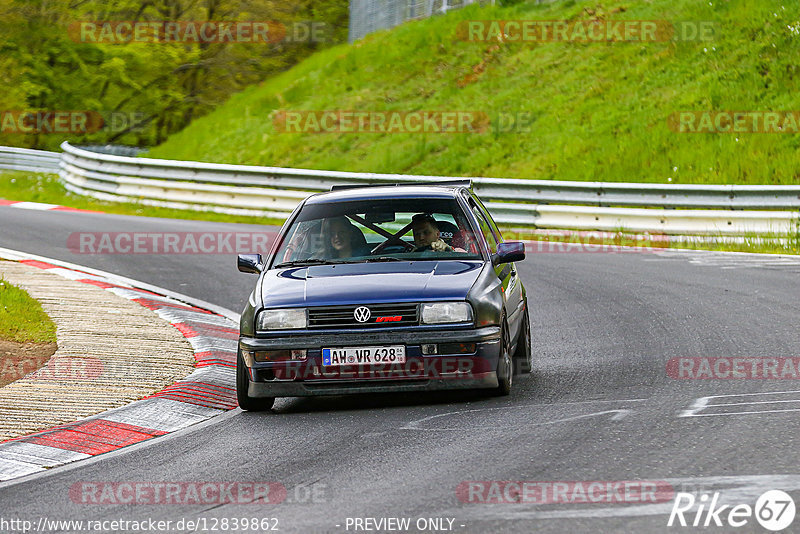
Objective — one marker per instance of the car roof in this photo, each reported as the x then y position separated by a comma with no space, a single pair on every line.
385,192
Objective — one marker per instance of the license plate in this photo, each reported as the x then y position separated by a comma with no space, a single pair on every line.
364,355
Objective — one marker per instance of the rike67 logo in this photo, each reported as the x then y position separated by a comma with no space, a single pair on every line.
774,510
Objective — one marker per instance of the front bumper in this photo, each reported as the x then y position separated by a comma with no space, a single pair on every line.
419,373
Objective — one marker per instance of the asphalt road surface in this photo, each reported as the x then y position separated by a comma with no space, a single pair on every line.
599,407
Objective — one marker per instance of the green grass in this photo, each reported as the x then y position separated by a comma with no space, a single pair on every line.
600,110
22,319
46,188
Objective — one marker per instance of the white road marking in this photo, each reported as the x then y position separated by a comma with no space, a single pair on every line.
619,414
34,206
41,455
740,413
74,275
733,260
207,343
12,469
756,402
174,315
706,403
161,414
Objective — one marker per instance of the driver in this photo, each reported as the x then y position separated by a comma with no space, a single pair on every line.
426,234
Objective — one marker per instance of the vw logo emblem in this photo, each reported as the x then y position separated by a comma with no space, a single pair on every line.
362,314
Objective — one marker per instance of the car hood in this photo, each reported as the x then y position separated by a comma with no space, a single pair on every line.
324,285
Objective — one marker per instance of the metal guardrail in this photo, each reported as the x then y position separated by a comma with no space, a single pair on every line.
115,150
25,159
275,191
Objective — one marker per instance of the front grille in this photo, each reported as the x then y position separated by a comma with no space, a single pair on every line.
381,315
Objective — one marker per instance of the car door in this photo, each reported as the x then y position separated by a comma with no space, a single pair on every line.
507,272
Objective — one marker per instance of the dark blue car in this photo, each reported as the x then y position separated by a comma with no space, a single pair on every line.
384,288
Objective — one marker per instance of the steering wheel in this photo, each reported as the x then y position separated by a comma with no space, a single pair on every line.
393,243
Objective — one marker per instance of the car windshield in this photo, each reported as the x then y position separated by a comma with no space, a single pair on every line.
378,230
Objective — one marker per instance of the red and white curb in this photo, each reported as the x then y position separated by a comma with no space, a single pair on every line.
207,392
40,206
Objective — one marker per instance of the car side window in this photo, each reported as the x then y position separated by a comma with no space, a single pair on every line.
498,235
485,228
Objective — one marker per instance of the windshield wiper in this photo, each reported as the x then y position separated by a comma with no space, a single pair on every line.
303,263
383,258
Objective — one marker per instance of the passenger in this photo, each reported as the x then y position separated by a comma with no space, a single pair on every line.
341,239
427,235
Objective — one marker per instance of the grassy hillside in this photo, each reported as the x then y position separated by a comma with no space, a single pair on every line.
600,110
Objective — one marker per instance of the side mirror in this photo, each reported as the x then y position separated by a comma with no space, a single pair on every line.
249,263
509,252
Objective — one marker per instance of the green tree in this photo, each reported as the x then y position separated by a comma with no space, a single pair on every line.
144,90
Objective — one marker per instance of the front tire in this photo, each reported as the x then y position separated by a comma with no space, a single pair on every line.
505,367
246,402
522,356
